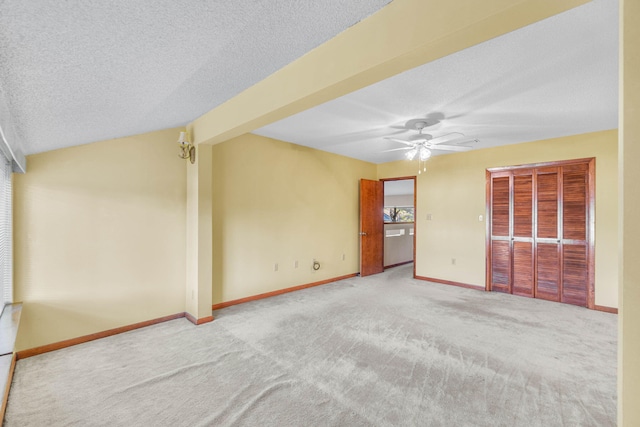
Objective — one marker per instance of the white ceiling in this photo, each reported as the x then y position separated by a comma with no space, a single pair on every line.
74,72
554,78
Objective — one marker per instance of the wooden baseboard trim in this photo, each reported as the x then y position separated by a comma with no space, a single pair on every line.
9,323
449,282
279,292
86,338
5,397
199,321
398,264
605,309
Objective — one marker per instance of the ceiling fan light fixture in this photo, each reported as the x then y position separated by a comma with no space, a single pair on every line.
411,154
420,145
425,153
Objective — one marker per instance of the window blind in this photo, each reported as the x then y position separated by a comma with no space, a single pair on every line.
6,240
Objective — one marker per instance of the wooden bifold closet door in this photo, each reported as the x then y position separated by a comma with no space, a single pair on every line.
540,231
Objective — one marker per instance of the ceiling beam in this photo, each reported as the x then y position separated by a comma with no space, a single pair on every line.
399,37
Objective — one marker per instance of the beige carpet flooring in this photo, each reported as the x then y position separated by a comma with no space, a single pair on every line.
385,350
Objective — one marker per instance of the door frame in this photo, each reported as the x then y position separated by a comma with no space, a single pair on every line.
591,209
415,214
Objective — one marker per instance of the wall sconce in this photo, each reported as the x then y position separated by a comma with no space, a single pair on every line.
187,149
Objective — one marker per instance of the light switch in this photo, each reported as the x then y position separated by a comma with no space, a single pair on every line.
480,218
428,217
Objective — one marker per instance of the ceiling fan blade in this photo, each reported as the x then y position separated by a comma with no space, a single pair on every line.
401,141
397,149
450,147
448,136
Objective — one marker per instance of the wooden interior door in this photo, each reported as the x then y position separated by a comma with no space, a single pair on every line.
500,240
575,247
522,234
371,227
547,236
541,231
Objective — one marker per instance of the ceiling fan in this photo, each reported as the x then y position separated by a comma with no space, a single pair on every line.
420,145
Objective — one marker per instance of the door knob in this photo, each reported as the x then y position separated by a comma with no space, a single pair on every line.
362,233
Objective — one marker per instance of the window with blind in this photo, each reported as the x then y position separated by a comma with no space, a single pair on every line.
6,264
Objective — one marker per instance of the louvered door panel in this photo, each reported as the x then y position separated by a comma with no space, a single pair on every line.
547,244
574,206
500,233
500,206
522,269
574,274
547,191
500,266
575,280
548,271
522,278
523,205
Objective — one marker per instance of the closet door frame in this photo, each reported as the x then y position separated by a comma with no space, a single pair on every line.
590,220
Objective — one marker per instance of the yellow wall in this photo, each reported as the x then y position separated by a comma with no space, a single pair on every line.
100,229
99,234
275,202
629,318
453,192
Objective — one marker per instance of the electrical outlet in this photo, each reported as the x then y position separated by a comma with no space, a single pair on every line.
428,217
275,267
343,257
295,264
453,261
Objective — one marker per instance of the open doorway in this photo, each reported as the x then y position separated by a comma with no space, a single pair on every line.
399,221
387,224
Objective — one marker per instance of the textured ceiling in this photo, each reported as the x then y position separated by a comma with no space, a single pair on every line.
554,78
74,72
